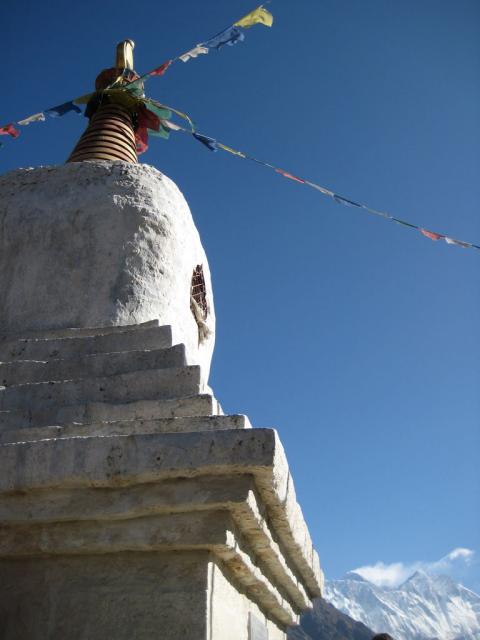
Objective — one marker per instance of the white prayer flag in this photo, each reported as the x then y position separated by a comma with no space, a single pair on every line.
193,53
37,117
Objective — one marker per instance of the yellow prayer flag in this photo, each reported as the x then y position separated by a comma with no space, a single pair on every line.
258,16
230,150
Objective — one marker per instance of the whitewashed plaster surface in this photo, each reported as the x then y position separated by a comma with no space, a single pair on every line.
96,244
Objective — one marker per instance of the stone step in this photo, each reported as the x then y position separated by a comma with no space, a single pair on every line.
125,387
79,332
196,405
102,364
137,339
128,427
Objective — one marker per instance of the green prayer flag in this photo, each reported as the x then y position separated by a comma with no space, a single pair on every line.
161,133
161,112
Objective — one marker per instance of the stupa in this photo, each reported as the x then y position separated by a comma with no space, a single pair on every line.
131,505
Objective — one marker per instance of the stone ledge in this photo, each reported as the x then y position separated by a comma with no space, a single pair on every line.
210,530
124,387
128,427
118,461
86,413
21,372
130,339
76,332
235,494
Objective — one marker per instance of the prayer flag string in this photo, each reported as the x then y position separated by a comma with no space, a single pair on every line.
213,145
229,36
154,118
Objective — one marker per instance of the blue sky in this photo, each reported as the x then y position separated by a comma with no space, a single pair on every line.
356,338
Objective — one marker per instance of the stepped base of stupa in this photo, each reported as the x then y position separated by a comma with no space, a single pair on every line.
131,506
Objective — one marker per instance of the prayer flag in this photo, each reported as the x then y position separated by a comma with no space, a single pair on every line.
325,192
230,36
387,216
258,16
193,53
405,224
146,119
345,201
159,71
161,112
210,143
9,130
179,113
141,139
136,87
162,132
289,175
465,245
431,234
171,125
62,109
235,153
37,117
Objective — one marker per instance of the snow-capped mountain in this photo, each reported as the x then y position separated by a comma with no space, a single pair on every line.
424,607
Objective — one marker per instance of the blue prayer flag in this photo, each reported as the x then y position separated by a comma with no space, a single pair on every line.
345,201
230,36
62,109
210,143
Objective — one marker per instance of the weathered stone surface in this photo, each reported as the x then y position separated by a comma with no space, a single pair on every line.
186,595
127,387
96,365
197,405
128,427
75,332
206,530
235,494
99,243
122,461
132,339
230,611
103,597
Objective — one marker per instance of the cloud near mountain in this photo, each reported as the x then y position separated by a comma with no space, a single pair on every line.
461,564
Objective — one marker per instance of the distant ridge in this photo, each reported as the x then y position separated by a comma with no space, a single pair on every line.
325,622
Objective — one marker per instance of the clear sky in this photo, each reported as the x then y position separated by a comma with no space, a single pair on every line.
356,338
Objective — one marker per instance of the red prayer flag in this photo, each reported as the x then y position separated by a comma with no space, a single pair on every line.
9,130
431,234
141,139
289,175
147,119
159,71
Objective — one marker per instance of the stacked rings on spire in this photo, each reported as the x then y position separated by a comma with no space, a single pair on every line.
109,136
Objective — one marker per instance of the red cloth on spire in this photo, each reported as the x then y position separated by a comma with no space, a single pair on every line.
141,139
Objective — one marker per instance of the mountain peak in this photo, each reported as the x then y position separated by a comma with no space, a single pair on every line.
353,575
419,577
425,606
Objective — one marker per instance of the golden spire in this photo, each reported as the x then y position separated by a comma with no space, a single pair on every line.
124,57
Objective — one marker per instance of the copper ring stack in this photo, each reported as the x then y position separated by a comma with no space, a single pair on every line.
109,136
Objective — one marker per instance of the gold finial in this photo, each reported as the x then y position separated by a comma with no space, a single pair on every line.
124,55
